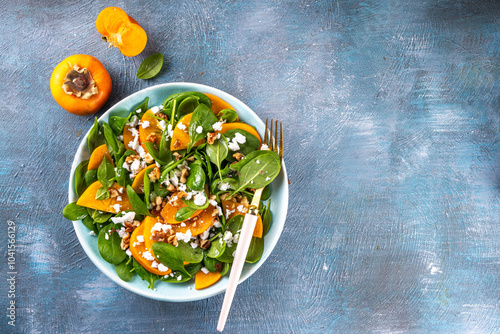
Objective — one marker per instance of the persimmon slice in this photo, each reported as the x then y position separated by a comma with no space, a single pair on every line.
121,31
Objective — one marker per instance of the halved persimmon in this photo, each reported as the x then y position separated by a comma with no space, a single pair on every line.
121,31
80,84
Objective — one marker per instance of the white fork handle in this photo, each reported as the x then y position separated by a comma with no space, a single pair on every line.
239,260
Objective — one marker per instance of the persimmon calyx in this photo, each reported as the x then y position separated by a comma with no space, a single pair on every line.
79,82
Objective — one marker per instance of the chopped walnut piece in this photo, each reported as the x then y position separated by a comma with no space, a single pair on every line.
151,138
184,175
211,137
131,158
113,193
177,156
205,244
125,241
238,156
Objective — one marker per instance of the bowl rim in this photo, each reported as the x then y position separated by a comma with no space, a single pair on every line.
144,291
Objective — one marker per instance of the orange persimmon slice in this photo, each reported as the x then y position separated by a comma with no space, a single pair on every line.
108,205
138,248
121,31
96,158
202,280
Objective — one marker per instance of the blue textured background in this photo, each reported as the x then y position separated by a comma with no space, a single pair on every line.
392,129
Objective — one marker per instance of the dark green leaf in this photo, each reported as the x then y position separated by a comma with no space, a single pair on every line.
106,173
145,275
150,67
102,193
80,172
73,211
109,247
125,270
90,176
170,256
190,254
136,202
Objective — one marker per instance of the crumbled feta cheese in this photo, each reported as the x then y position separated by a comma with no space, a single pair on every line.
217,126
186,237
240,139
162,267
117,207
200,198
127,217
233,146
204,270
181,126
264,147
145,124
140,238
92,233
147,255
199,129
224,186
155,110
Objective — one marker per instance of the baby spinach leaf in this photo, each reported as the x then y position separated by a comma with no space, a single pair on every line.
228,115
179,277
197,177
89,223
99,216
251,143
144,274
90,176
255,250
203,118
266,218
125,270
80,172
96,137
150,67
106,173
259,171
102,193
184,213
117,123
217,152
73,211
108,244
217,247
170,256
210,263
190,254
136,202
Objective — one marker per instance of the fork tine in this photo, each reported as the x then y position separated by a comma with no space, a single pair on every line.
271,141
281,141
265,132
276,137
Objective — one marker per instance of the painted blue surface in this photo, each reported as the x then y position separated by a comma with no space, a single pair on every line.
391,114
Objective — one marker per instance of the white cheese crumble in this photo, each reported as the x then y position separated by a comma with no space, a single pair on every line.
128,217
204,270
186,237
199,129
147,255
162,267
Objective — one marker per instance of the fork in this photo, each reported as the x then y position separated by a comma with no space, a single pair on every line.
248,227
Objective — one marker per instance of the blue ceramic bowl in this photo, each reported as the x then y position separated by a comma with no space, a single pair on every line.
181,292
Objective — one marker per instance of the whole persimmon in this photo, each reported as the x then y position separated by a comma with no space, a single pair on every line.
80,84
121,31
